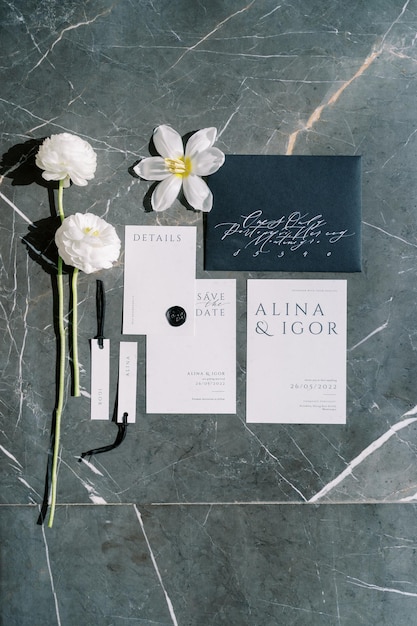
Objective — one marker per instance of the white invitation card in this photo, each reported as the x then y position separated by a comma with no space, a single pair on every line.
197,374
159,280
296,351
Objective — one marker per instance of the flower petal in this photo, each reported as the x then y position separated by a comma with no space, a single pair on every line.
207,162
197,193
166,193
152,168
78,180
201,140
57,176
168,142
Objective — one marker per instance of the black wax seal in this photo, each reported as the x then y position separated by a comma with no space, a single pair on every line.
176,315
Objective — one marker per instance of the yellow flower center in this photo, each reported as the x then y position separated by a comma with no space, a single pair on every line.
87,230
180,166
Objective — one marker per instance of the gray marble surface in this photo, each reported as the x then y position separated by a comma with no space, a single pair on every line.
200,520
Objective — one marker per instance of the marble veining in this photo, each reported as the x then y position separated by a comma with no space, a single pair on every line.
204,519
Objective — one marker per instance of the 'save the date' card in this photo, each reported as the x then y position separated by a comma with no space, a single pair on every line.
296,351
285,213
197,374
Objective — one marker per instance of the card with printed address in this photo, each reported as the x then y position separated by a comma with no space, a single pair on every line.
285,213
159,280
296,351
197,374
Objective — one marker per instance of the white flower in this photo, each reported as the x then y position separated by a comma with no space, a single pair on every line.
177,167
67,157
87,242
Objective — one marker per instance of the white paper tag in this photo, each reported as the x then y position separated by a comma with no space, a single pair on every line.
100,380
128,365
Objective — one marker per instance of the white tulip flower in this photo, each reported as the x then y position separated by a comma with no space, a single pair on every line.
177,167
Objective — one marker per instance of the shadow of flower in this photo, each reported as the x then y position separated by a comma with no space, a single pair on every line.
40,243
18,163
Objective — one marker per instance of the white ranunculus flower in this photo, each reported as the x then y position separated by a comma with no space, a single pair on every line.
87,242
177,167
67,157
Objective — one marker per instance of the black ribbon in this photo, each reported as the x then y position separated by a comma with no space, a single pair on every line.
121,426
121,434
100,308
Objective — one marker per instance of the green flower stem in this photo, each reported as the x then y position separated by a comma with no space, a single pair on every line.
61,376
74,283
61,200
76,367
61,380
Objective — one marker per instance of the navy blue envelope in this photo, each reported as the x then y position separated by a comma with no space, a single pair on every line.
285,213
